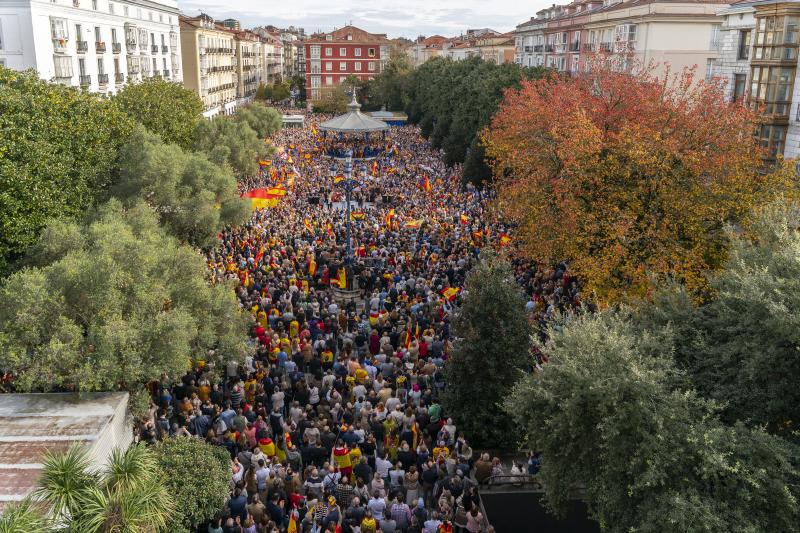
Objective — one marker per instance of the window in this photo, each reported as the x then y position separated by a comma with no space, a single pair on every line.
63,66
2,62
94,5
328,65
125,10
371,65
114,35
161,17
58,28
329,37
342,52
100,67
328,80
716,36
1,34
357,52
152,38
328,51
315,52
315,82
155,65
772,87
78,32
744,44
771,136
163,42
82,67
98,37
370,52
116,65
358,65
111,7
164,61
739,87
625,33
342,66
776,39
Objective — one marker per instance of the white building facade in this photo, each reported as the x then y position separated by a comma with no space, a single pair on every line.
99,45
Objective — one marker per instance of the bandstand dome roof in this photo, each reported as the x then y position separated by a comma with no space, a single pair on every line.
354,121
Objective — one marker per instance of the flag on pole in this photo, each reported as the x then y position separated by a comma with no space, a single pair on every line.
389,217
261,198
413,224
451,292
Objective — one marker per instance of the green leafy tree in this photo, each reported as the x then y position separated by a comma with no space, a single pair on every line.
166,108
261,92
229,142
740,347
476,169
606,416
58,155
492,350
333,100
280,91
113,305
198,478
265,121
193,197
299,83
390,88
127,495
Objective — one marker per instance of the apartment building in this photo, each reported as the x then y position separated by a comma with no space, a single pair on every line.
210,63
249,65
425,49
99,45
678,33
273,52
332,57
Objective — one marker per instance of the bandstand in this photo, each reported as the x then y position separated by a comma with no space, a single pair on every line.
351,134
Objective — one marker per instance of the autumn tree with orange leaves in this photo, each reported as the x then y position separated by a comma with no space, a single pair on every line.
630,177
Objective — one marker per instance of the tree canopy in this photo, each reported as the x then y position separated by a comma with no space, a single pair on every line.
492,350
606,415
58,155
166,108
392,86
631,178
193,197
112,305
198,479
232,142
265,121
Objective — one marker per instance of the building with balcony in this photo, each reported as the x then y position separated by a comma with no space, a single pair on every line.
332,57
249,65
99,45
678,33
210,63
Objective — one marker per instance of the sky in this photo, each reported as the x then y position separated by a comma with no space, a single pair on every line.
397,18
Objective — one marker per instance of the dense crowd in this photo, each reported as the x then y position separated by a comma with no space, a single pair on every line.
334,424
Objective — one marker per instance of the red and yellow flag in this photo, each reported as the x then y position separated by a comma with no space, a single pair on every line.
307,225
451,292
389,217
338,179
505,239
413,224
261,198
374,168
464,220
341,278
357,215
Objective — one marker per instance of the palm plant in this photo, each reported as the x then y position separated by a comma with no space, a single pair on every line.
23,517
127,496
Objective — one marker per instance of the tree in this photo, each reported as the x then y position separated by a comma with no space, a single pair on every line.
228,142
492,350
280,91
476,170
198,478
334,100
127,495
740,346
606,416
391,87
265,121
261,92
58,154
193,197
113,305
631,178
166,108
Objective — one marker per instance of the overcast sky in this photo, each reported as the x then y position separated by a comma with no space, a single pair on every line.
398,18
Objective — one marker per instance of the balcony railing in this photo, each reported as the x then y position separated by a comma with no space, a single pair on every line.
574,47
85,80
606,47
119,77
116,47
59,45
131,44
154,48
82,46
528,49
537,48
164,48
100,46
589,47
143,47
548,48
102,79
165,73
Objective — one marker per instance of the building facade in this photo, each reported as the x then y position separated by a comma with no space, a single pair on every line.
210,64
332,57
249,65
99,45
670,33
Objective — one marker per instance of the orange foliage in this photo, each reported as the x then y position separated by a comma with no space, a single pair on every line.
630,177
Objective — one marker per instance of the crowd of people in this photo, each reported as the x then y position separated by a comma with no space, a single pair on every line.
334,423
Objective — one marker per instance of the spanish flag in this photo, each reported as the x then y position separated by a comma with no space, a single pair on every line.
451,292
357,215
259,255
413,224
292,523
464,220
425,183
477,236
289,159
389,217
505,239
329,227
314,129
261,198
308,226
312,268
374,168
265,162
278,191
341,277
338,179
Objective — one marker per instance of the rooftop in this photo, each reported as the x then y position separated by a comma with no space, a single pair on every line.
354,121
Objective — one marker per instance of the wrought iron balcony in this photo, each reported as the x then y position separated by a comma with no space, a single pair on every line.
82,46
85,80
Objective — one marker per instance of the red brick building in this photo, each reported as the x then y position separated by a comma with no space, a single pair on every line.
332,57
